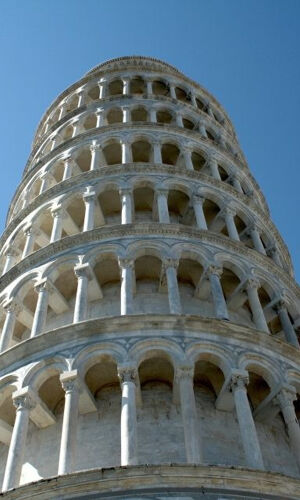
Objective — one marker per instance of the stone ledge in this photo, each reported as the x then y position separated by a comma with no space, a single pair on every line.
142,480
94,330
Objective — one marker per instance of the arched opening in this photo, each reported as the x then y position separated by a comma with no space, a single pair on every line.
198,161
83,160
188,275
141,151
143,203
159,88
114,115
178,203
100,445
170,154
181,94
164,116
139,114
74,216
72,103
210,135
94,92
147,275
223,173
112,153
200,104
67,133
90,122
211,210
115,87
109,207
57,172
188,124
105,300
137,86
158,416
62,298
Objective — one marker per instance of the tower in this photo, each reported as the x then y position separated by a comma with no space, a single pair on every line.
149,312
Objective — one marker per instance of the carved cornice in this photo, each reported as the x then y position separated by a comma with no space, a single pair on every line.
111,233
192,328
107,172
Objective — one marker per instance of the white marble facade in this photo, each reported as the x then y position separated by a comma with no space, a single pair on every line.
149,312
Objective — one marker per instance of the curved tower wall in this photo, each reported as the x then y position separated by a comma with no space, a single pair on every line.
149,311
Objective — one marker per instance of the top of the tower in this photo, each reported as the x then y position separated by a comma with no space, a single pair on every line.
119,62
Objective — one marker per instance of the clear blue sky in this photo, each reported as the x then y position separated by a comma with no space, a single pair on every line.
246,52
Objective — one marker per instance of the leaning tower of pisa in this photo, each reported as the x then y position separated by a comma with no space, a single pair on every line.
149,312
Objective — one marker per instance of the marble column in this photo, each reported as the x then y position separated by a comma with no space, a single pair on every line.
10,259
162,205
127,376
126,114
285,399
40,315
126,86
68,168
102,89
81,302
89,198
274,255
191,428
157,152
45,178
202,129
170,270
248,433
95,156
153,116
11,309
127,267
259,319
29,242
81,99
286,324
220,307
172,91
256,239
199,213
126,152
76,127
229,215
62,112
179,121
69,382
213,166
236,183
126,205
149,88
100,122
24,402
187,155
58,215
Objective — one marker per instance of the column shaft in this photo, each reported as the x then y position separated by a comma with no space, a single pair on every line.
220,306
9,324
173,290
162,206
230,224
287,326
29,242
81,301
256,309
126,286
57,224
89,201
128,418
257,241
285,399
69,425
41,308
126,204
246,423
192,440
199,213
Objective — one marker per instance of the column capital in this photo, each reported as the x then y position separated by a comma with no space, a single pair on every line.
24,399
198,198
43,285
127,373
252,282
184,372
89,196
286,396
214,269
281,302
170,262
239,379
126,262
57,211
67,159
28,229
82,271
161,191
12,305
125,190
69,381
10,251
94,147
229,211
